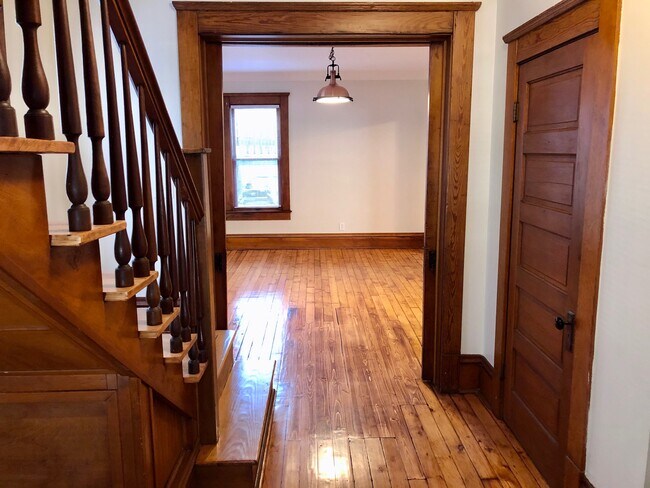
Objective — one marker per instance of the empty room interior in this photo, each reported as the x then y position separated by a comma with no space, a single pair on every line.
350,244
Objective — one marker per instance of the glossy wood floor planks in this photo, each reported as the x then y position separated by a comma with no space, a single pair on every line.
345,329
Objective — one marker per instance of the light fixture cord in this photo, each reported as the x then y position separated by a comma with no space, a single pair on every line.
332,57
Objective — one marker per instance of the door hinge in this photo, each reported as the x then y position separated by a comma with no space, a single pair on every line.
515,112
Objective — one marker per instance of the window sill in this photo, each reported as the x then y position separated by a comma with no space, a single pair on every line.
258,214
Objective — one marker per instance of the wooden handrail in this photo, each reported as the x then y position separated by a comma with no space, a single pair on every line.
126,31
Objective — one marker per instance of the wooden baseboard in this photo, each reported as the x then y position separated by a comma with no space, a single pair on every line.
325,241
584,482
476,375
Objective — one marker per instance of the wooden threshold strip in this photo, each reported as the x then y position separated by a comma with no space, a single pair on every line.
325,241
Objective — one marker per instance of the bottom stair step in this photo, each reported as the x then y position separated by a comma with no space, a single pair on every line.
245,416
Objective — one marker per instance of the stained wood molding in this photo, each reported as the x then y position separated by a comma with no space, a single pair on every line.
448,29
476,374
584,482
548,15
325,241
329,6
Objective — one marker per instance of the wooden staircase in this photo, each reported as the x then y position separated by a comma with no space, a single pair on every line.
96,390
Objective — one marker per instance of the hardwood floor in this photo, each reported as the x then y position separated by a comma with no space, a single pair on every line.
345,328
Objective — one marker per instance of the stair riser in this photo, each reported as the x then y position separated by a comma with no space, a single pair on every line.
224,372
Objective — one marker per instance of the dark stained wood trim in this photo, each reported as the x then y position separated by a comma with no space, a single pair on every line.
327,6
259,214
452,29
476,375
584,482
599,88
438,69
505,229
324,241
453,201
325,22
576,23
548,15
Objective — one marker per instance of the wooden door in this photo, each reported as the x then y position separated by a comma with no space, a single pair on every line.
547,224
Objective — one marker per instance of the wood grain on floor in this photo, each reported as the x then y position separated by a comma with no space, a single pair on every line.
345,327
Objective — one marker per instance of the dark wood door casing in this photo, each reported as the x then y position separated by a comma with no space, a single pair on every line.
448,28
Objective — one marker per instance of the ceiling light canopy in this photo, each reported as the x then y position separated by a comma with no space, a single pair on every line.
332,93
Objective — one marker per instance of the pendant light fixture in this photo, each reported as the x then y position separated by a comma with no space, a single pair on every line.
332,92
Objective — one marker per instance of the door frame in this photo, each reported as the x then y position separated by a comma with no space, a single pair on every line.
568,21
449,30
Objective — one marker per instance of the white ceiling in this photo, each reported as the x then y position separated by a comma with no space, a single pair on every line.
356,62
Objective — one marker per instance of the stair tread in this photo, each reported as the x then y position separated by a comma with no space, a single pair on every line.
153,331
115,294
60,236
34,146
193,378
176,357
243,415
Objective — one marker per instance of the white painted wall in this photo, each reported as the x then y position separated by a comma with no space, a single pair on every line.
362,164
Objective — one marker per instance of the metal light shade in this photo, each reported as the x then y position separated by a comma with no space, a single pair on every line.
333,93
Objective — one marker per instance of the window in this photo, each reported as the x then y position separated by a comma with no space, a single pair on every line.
256,128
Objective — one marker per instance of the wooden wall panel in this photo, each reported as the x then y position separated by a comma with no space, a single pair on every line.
60,439
171,437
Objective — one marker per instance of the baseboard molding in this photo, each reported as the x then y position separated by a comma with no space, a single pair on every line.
325,241
584,482
476,375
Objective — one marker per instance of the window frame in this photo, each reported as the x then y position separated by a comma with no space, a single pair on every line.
283,212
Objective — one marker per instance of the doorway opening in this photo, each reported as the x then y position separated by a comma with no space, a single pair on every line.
448,30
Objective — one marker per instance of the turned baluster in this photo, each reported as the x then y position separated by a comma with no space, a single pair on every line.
36,92
186,334
101,187
124,272
173,258
8,123
154,312
175,342
200,340
76,185
134,186
167,302
191,269
193,365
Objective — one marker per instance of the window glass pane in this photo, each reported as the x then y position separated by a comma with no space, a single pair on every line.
256,132
257,183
